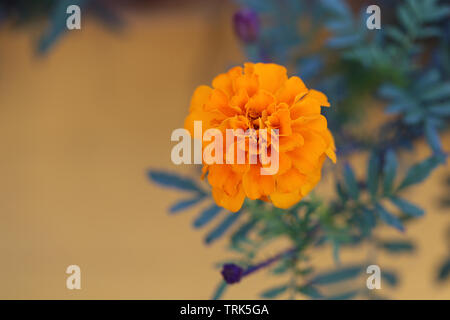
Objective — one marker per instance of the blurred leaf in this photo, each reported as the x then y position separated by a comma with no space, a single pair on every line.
172,180
335,276
57,24
389,218
389,91
310,291
344,296
444,271
390,277
223,226
373,174
407,207
340,42
274,292
420,171
241,233
207,215
440,109
350,181
396,246
338,7
184,204
440,91
220,290
432,137
368,220
389,171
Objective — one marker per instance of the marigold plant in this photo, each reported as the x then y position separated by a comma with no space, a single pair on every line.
261,96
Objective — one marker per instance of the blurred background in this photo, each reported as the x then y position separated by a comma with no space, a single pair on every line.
81,123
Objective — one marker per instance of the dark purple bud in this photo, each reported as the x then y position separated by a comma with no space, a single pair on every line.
246,25
232,273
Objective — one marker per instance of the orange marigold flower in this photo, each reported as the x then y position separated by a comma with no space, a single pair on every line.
262,96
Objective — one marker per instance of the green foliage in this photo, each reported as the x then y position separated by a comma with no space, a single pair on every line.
405,68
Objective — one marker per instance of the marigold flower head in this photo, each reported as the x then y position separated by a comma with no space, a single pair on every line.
261,96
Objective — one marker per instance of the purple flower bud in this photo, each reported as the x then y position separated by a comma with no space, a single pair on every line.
232,273
246,25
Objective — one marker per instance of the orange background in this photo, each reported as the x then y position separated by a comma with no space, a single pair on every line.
78,130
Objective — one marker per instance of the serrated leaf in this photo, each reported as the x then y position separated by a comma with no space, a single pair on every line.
172,180
350,181
407,207
420,171
389,218
207,216
222,227
373,172
389,171
274,292
335,276
184,204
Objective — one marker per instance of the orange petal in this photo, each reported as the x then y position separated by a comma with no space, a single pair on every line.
313,122
290,181
285,200
320,97
270,76
291,89
199,98
232,203
257,185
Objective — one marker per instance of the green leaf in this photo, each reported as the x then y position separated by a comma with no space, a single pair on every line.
220,290
274,292
432,137
172,180
344,296
407,20
368,221
350,181
241,233
223,226
420,171
440,109
407,207
397,246
310,291
282,267
335,276
207,215
373,171
389,171
389,218
184,204
440,91
444,271
390,277
57,26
